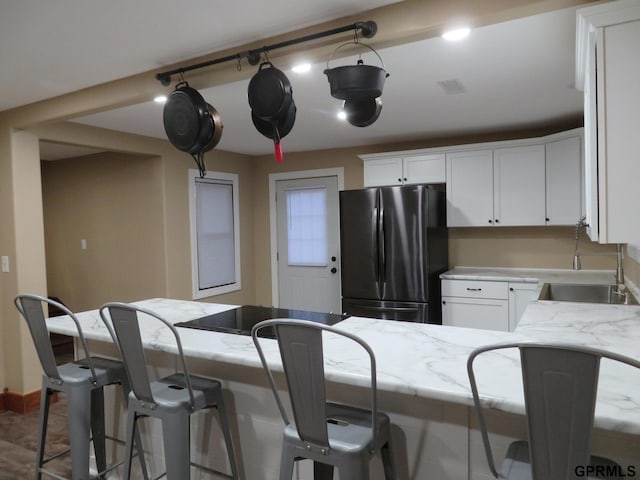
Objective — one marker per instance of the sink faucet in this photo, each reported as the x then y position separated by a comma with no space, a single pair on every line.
620,286
576,255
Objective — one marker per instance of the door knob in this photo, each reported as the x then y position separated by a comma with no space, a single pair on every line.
334,270
333,259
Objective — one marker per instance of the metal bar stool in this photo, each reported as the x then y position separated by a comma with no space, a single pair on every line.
332,435
560,384
82,382
172,399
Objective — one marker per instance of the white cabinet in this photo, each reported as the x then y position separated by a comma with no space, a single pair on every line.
470,188
520,295
485,304
525,184
563,160
607,69
519,186
404,169
475,304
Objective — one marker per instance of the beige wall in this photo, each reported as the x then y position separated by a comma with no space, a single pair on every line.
133,210
532,247
632,270
115,203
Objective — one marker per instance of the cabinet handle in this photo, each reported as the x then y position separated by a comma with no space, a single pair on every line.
405,179
511,289
490,221
400,180
474,289
444,303
547,219
497,221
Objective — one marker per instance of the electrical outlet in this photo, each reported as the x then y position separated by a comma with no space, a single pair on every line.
83,244
5,264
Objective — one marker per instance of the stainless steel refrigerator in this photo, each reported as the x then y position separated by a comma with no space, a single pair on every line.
394,245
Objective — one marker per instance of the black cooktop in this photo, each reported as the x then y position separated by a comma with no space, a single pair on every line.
240,320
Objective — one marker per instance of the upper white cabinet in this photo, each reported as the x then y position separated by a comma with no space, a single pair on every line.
519,185
535,181
607,69
470,188
404,169
563,162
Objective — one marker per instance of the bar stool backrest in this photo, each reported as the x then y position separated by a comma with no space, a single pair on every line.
123,323
31,308
560,387
301,351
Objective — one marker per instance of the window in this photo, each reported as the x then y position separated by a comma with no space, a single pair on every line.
215,239
307,226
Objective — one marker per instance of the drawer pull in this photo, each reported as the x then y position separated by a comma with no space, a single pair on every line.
474,289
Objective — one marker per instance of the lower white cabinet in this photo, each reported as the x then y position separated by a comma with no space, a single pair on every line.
520,295
484,304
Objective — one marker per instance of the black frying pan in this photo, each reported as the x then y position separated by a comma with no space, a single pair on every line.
191,124
269,92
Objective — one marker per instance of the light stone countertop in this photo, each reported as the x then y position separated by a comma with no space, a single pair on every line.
424,360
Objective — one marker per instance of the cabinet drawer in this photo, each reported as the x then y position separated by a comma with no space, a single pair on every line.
475,289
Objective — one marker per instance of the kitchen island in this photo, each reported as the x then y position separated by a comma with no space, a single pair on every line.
422,381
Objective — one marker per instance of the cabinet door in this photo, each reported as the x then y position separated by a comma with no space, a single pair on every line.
424,169
383,171
563,161
520,295
519,190
483,313
469,188
618,138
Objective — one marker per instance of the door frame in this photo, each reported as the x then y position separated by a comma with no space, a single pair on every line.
273,222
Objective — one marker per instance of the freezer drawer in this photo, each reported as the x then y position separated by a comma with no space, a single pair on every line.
386,310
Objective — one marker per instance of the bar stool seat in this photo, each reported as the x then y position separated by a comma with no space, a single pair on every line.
83,382
172,399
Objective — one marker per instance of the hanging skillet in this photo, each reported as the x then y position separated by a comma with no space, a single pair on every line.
191,124
273,110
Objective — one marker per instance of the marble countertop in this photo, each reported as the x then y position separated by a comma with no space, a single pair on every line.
423,360
530,275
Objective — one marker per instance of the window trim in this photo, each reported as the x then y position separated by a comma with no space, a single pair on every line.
197,293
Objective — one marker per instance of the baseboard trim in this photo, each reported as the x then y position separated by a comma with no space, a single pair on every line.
22,402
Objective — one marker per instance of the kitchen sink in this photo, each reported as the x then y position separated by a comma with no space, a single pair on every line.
569,292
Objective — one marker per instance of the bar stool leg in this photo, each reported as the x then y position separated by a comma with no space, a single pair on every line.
176,438
322,471
226,432
98,429
135,435
287,461
79,420
44,418
388,462
132,418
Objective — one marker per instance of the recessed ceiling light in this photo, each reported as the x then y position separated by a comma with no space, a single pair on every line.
302,68
456,34
342,115
160,98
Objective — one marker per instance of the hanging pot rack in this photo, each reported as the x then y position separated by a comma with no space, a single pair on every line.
368,30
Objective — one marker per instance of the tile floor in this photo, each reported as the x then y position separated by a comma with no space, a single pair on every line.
19,438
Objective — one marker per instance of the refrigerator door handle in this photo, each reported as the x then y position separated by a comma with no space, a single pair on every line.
381,257
376,241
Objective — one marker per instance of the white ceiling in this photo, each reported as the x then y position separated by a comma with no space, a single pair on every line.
516,74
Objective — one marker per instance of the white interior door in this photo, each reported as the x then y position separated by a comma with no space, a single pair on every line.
308,244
